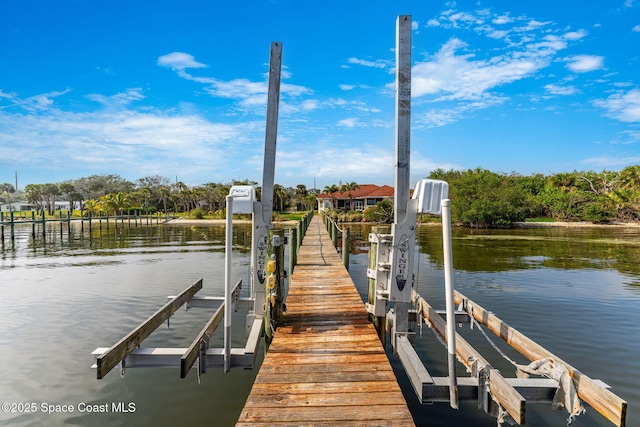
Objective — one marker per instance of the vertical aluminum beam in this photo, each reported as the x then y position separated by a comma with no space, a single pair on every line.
451,320
403,117
262,221
402,242
228,247
273,102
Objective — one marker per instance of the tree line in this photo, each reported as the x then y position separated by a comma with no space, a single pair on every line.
481,198
112,194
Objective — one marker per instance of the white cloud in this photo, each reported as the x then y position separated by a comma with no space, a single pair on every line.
636,29
122,98
502,19
124,142
561,90
378,63
348,122
179,61
250,96
575,35
622,106
347,87
610,161
462,77
585,63
39,102
6,95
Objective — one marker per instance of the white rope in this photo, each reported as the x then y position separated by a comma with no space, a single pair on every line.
495,347
566,396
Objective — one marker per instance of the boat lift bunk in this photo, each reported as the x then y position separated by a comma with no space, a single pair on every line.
393,298
128,353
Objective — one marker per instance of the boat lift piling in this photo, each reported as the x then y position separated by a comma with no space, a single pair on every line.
241,199
391,294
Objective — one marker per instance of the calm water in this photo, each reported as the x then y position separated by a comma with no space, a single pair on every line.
575,291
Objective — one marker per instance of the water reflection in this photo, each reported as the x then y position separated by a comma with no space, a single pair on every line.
577,292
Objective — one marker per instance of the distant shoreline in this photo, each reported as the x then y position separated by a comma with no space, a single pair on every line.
562,224
556,224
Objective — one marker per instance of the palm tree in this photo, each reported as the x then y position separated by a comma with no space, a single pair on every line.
164,193
116,203
301,192
68,189
92,206
348,188
8,188
331,190
35,195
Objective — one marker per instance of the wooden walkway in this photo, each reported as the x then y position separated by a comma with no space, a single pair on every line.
326,365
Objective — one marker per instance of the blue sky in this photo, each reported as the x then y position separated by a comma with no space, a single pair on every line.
178,89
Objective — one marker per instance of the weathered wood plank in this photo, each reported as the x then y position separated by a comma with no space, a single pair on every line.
119,351
326,399
337,413
326,365
336,387
189,357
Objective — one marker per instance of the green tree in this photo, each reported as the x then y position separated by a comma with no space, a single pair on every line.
480,198
381,213
349,188
35,195
116,203
8,189
68,189
50,192
92,206
301,192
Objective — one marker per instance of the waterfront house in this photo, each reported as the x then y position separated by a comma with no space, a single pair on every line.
363,197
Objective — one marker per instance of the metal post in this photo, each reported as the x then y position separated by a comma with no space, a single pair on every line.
448,285
400,294
227,284
403,116
273,102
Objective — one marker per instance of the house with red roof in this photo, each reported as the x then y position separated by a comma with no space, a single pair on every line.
359,199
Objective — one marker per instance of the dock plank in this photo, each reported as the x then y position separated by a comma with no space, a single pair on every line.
325,365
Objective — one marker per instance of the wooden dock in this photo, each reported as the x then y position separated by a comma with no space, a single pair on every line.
326,365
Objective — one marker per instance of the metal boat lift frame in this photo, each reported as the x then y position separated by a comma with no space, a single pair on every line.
396,299
128,353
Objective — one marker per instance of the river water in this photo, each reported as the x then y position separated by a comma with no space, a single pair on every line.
575,291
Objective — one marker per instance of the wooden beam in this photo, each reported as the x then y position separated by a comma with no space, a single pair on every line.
602,400
119,351
189,357
505,394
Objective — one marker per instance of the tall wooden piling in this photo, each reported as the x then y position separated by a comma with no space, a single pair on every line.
346,246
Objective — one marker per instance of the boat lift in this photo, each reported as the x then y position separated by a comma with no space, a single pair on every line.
392,296
128,353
